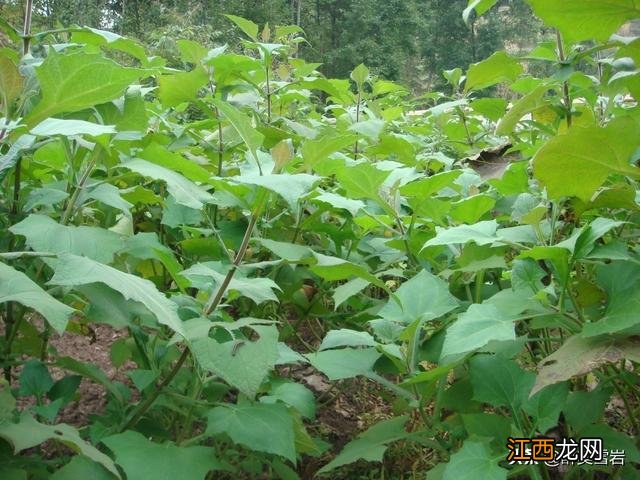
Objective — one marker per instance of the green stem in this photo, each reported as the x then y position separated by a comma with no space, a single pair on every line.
212,304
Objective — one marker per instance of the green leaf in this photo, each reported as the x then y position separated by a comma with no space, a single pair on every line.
360,75
290,187
371,444
181,87
164,157
103,38
35,379
362,180
586,19
313,151
247,26
471,209
498,68
110,195
243,364
340,202
347,338
28,433
287,251
545,406
480,7
482,323
347,290
15,286
345,362
73,270
499,381
11,82
261,427
184,191
527,104
91,372
578,163
473,461
257,289
295,395
579,355
334,268
482,233
77,81
424,297
46,235
81,467
67,128
142,458
249,134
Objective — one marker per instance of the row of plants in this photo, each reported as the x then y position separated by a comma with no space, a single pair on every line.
477,259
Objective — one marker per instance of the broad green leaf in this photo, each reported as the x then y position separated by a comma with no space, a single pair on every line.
362,180
482,233
424,297
345,362
247,26
10,158
340,202
15,286
344,337
94,36
110,195
290,187
371,444
586,19
73,271
35,379
490,425
492,320
257,289
191,51
181,87
527,104
11,82
184,191
424,188
81,467
369,128
583,408
578,163
108,306
474,461
359,75
287,251
321,147
77,81
334,268
471,209
480,7
499,381
295,395
492,108
615,440
249,134
160,461
243,364
579,355
498,68
28,433
261,427
55,126
347,290
545,406
164,157
46,235
175,215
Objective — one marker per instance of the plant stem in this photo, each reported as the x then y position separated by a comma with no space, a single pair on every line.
355,147
565,84
214,301
66,216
